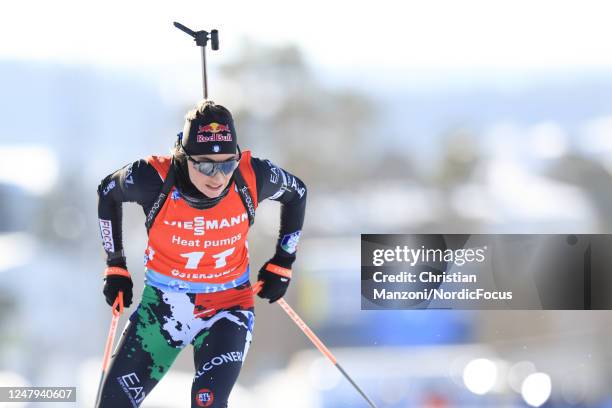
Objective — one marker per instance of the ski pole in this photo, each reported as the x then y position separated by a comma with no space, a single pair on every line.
315,340
201,39
117,311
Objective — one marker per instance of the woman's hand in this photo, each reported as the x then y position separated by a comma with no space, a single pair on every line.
117,280
275,278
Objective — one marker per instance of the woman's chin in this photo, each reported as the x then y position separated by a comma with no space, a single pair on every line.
212,191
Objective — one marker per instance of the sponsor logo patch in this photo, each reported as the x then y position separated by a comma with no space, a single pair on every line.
109,187
213,133
106,231
204,397
231,357
290,241
213,127
199,224
247,197
293,184
215,138
130,383
128,174
274,177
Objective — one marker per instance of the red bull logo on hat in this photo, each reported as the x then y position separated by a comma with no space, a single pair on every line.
212,133
213,127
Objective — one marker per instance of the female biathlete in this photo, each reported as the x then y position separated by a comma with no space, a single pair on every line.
199,203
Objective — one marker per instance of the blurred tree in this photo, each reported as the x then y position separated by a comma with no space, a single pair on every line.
284,112
460,157
395,164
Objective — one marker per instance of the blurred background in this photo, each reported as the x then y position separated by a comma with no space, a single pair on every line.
438,117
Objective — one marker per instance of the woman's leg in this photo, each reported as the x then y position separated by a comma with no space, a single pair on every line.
143,356
221,347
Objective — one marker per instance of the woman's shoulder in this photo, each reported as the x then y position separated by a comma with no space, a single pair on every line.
161,164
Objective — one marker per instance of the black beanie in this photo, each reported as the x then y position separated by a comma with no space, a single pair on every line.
209,129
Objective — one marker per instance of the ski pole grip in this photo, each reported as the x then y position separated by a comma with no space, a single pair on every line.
185,29
118,304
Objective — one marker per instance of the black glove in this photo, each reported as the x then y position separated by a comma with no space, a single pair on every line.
276,275
115,283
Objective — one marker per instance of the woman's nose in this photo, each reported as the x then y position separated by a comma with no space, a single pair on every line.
219,177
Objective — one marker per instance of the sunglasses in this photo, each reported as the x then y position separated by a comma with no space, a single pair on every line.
210,167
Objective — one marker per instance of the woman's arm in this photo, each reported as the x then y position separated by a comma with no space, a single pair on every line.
136,182
278,184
